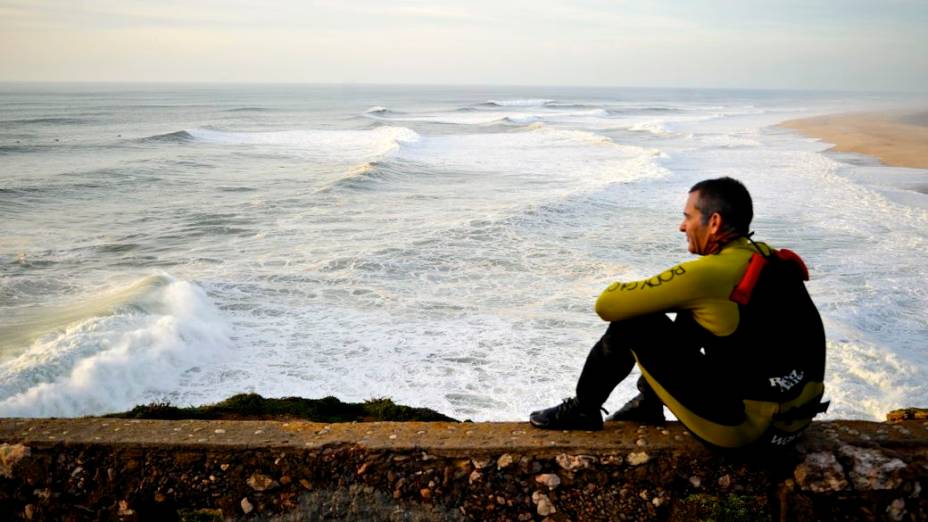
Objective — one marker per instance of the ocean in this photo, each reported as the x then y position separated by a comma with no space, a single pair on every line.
441,246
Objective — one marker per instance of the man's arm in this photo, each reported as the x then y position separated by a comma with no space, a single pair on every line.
669,291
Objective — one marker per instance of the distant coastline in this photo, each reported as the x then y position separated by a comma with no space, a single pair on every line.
898,139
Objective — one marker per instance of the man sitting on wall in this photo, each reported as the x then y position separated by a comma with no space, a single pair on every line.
743,363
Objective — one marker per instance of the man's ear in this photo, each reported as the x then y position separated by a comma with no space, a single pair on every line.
715,223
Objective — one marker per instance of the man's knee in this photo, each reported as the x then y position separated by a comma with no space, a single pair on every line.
638,329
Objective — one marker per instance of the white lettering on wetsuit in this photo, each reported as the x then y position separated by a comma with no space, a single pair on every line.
787,381
784,440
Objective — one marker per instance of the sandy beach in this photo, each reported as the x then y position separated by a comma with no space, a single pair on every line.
898,139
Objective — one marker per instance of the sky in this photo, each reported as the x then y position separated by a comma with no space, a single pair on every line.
780,44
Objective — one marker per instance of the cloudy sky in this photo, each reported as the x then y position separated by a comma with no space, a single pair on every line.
803,44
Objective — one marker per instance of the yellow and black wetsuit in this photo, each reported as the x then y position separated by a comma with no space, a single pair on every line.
744,360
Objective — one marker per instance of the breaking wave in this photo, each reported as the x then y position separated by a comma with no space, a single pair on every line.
112,351
338,145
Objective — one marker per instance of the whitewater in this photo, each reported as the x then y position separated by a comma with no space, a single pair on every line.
439,246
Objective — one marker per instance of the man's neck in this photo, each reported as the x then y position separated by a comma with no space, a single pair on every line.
716,245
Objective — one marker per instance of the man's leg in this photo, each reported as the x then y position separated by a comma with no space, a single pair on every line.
701,389
611,360
608,363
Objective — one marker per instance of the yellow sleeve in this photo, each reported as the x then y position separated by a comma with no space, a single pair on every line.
671,290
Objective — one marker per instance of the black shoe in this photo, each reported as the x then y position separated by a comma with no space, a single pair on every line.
640,409
567,415
646,407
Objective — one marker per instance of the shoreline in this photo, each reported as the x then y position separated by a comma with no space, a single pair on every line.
897,139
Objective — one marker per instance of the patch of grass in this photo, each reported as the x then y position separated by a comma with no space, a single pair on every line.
251,406
728,508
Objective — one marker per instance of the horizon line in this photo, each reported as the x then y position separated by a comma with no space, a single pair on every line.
454,85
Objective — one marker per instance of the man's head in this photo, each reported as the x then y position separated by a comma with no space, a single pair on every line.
717,211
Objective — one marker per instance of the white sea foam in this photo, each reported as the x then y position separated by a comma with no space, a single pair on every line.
540,156
727,140
513,115
137,353
337,144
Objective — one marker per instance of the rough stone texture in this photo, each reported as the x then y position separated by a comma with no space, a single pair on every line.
820,472
907,414
10,454
115,469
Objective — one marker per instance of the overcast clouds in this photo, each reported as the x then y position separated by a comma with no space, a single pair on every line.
855,45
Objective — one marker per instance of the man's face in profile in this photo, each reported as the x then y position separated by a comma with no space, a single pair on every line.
697,233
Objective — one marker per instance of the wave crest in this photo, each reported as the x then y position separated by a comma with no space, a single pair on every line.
180,136
338,145
526,102
130,346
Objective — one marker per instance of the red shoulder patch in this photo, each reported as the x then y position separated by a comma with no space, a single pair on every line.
743,290
788,255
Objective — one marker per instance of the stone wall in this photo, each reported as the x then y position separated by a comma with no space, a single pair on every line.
114,469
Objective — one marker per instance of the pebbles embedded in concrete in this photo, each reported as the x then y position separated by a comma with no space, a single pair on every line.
725,481
10,454
261,482
575,462
475,476
896,510
549,479
481,463
247,507
504,461
872,470
636,458
820,472
612,460
543,504
696,481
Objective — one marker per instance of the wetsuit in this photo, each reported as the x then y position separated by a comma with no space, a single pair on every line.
742,363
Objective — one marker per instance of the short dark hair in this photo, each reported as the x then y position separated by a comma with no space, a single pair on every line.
730,199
